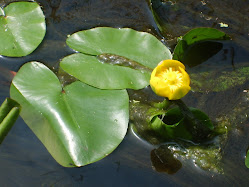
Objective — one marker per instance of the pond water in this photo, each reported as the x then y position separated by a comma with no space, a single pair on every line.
24,161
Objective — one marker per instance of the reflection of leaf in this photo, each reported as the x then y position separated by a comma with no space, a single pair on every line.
163,160
141,50
78,124
22,28
9,112
201,37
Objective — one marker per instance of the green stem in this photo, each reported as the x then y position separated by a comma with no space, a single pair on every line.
164,105
9,112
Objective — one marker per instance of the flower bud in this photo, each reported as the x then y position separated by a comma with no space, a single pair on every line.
169,79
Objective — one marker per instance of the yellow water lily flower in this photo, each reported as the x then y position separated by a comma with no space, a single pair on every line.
169,79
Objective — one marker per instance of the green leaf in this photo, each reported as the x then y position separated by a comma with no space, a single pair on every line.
173,125
136,53
202,39
141,47
78,124
22,28
90,70
247,160
9,112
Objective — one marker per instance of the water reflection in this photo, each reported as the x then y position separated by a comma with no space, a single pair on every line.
163,160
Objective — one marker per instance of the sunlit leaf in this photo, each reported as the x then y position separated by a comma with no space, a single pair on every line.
90,70
136,53
22,28
78,124
9,112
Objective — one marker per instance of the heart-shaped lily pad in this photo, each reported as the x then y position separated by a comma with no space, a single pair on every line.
78,124
22,28
140,53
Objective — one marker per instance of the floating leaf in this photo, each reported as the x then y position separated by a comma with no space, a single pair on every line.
90,70
202,42
22,28
9,112
78,124
141,50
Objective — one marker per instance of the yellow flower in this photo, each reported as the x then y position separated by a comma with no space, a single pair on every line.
169,79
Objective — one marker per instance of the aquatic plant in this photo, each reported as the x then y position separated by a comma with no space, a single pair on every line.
85,119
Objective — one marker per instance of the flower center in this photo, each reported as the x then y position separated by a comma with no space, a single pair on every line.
172,78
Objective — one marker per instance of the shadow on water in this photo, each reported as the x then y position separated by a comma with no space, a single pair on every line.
25,161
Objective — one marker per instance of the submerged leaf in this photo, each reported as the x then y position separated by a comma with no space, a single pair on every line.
218,81
22,28
78,124
136,54
163,160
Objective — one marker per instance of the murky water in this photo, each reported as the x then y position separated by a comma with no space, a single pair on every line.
25,162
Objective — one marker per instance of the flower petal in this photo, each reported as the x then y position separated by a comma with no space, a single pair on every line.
185,76
179,92
169,79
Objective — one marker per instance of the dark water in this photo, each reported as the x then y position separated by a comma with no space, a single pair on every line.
25,162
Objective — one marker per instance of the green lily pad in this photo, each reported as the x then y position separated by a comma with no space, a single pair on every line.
141,51
90,70
22,28
201,39
9,112
78,124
